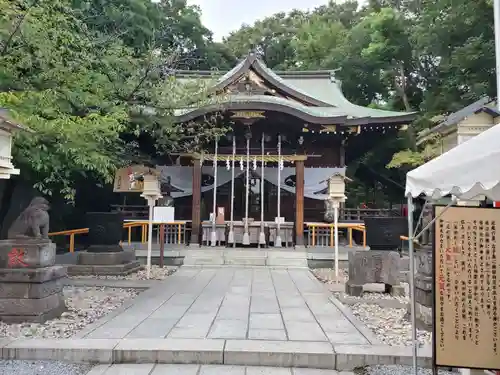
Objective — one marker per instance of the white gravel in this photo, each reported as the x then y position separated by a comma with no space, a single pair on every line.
390,325
42,368
157,273
85,306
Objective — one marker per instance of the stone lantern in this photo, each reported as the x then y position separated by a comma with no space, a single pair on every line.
151,193
7,128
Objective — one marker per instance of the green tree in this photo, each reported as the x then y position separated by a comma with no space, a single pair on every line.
91,100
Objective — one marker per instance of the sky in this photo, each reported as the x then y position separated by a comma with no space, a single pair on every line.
224,16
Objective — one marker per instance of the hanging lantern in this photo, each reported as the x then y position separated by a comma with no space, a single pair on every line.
254,166
241,163
228,164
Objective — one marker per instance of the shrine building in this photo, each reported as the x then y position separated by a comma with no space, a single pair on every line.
289,132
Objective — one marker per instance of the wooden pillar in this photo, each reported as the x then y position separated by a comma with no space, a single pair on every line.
196,205
342,153
299,203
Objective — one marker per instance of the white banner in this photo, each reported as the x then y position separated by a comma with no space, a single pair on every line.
315,180
181,179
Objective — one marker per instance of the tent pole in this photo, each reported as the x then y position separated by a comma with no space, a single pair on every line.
496,12
213,235
231,225
412,283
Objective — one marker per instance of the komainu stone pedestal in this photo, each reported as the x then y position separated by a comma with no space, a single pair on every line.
369,267
31,287
116,263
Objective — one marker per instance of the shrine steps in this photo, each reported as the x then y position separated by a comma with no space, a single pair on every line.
246,258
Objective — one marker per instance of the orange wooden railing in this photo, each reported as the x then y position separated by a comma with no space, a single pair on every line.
315,228
144,231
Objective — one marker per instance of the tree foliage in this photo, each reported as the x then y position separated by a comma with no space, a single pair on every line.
431,56
94,80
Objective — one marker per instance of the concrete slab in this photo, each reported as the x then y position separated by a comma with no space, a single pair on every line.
221,370
163,369
267,334
130,369
268,371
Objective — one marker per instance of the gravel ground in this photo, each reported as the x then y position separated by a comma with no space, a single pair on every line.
397,370
85,306
42,368
391,326
157,273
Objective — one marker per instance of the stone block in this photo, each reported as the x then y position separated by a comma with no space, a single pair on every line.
27,306
27,253
366,267
170,369
279,354
423,297
350,357
66,350
111,270
30,275
31,290
397,291
353,290
423,261
180,351
105,258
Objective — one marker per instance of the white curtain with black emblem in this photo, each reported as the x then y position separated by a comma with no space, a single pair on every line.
180,178
315,180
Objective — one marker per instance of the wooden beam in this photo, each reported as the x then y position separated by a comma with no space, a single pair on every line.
299,203
196,204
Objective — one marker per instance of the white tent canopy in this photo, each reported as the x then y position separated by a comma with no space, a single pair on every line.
466,171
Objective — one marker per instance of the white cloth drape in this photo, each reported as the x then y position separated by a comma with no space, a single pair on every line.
181,178
315,180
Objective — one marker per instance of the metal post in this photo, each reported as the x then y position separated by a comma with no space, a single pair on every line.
277,240
246,236
262,236
213,236
496,11
412,283
231,224
151,204
336,224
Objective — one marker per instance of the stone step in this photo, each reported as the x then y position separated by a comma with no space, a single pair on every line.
320,355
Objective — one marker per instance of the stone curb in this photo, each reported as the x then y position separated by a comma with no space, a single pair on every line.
365,331
212,351
111,283
382,302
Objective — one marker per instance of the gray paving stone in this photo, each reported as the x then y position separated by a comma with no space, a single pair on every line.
267,334
105,332
189,332
229,312
169,311
221,370
165,369
297,314
152,329
346,338
268,371
266,321
304,331
335,325
130,369
195,320
229,329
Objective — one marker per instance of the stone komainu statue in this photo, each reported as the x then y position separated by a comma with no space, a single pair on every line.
33,221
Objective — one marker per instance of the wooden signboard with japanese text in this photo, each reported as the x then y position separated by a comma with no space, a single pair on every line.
466,278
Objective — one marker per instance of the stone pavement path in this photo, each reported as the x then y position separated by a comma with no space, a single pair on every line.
233,303
151,369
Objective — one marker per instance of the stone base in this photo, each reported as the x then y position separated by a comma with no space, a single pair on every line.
104,249
356,290
109,270
31,295
27,253
106,264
